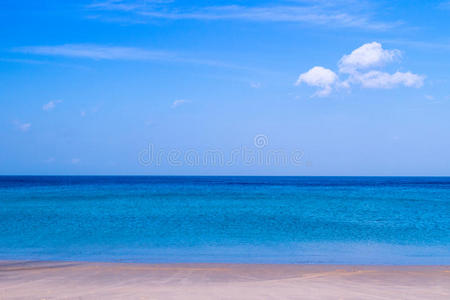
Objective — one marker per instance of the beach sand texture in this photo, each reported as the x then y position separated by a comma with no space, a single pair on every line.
75,280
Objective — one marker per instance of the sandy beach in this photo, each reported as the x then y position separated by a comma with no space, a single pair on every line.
79,280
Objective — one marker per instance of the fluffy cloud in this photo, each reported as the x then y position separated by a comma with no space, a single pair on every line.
377,79
360,67
319,77
367,56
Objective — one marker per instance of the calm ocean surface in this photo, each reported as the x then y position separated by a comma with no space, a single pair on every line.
354,220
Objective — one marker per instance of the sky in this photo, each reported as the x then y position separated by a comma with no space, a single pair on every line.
161,87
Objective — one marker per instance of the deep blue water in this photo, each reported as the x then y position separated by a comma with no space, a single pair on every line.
356,220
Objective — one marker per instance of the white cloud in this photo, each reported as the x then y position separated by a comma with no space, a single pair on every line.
105,52
367,56
312,12
179,102
22,126
377,79
51,105
97,52
359,67
125,5
319,77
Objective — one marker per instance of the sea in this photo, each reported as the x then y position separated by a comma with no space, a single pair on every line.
273,220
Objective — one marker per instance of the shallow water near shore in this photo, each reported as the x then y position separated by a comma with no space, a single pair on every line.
84,280
308,220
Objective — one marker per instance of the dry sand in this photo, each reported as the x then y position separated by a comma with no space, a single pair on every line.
74,280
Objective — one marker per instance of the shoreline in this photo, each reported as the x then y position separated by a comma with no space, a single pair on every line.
92,280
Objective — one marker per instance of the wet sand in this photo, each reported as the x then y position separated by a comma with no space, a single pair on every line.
75,280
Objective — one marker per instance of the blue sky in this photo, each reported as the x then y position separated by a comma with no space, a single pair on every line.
335,87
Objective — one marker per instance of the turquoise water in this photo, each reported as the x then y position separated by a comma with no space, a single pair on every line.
353,220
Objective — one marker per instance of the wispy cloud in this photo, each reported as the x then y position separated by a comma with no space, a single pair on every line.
51,105
179,102
97,52
102,52
22,126
312,12
126,5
